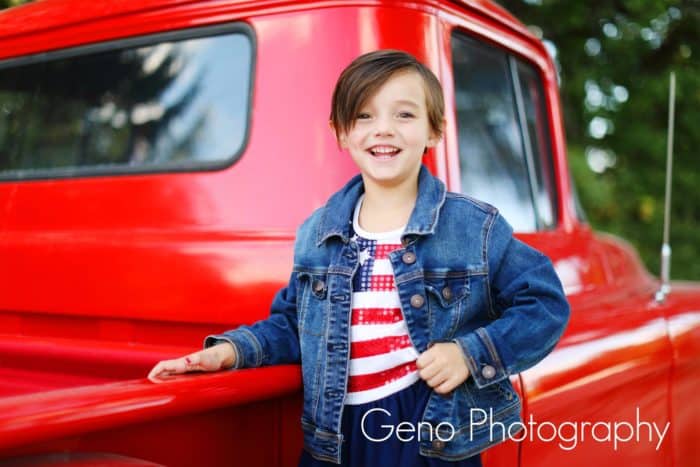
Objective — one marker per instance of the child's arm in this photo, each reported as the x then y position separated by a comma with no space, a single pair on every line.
267,342
214,358
271,341
533,309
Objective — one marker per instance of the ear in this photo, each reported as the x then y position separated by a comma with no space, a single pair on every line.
434,139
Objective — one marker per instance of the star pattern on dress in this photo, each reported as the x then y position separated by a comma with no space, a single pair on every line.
364,256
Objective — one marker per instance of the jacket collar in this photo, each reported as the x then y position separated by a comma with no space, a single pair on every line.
337,215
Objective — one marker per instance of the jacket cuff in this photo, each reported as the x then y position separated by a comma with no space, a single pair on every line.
482,358
246,347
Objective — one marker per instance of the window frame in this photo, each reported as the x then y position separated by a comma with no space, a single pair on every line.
129,43
527,148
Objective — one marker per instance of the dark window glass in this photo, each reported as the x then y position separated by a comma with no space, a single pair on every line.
502,130
536,123
174,104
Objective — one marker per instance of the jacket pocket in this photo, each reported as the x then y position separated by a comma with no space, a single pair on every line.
312,303
448,304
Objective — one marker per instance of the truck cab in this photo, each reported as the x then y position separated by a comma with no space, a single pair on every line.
156,158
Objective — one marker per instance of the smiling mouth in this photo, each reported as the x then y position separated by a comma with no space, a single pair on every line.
384,153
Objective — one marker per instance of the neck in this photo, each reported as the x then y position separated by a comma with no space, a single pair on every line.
387,208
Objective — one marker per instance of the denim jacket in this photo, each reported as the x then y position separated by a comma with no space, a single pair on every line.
461,277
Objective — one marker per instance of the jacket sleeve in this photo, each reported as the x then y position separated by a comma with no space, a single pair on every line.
272,341
528,296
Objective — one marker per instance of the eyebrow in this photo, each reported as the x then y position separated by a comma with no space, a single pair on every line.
408,102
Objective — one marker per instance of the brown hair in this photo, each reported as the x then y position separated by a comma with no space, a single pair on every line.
367,73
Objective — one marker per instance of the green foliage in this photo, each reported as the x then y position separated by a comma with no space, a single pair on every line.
627,49
9,3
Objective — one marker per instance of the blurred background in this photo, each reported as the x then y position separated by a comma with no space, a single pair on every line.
614,60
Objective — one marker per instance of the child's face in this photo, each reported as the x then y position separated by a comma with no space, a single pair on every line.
391,131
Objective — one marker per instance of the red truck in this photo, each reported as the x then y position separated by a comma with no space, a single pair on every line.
156,158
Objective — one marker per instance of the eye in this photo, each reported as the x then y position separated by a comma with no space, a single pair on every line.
362,116
406,115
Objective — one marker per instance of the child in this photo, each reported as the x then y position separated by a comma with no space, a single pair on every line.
408,306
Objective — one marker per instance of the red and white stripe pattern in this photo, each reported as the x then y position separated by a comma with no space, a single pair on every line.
382,357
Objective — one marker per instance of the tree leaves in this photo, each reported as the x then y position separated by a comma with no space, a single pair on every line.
629,48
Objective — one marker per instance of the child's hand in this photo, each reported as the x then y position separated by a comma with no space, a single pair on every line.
214,358
442,366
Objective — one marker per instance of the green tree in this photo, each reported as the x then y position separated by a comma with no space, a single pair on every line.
614,59
9,3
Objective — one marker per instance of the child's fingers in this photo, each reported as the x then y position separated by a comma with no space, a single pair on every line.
438,379
446,386
156,371
429,371
425,359
167,368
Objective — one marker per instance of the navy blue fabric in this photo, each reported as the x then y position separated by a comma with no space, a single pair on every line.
406,405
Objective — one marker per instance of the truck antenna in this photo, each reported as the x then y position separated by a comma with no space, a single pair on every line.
665,287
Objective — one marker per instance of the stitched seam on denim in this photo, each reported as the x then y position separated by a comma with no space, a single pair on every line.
322,457
356,267
302,305
480,205
309,270
408,276
437,292
342,270
485,259
491,348
452,274
431,321
256,345
465,351
455,319
319,376
320,238
438,208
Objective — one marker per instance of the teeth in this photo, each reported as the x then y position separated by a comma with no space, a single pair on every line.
384,152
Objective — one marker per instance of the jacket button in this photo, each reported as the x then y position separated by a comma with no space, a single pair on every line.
318,286
447,293
438,444
488,372
417,301
409,257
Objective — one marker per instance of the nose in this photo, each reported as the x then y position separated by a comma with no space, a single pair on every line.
384,126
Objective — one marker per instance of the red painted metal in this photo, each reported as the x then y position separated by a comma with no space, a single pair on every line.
100,277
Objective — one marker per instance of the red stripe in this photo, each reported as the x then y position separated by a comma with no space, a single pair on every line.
381,283
378,346
375,380
382,251
376,316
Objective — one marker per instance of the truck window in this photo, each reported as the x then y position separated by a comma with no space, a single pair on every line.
504,152
177,101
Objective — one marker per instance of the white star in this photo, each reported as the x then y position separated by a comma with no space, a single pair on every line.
364,256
